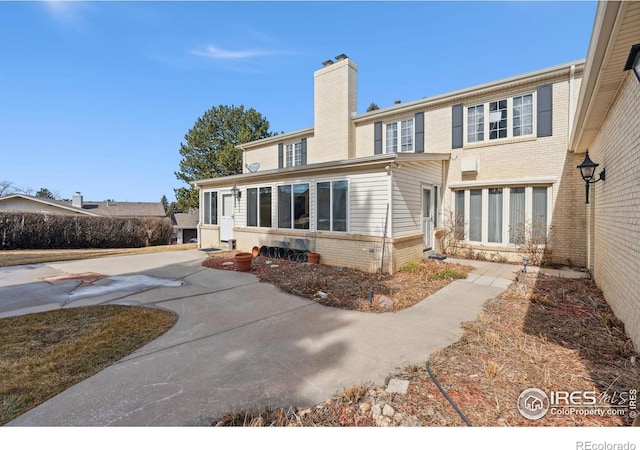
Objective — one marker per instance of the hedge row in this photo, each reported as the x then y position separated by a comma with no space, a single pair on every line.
47,231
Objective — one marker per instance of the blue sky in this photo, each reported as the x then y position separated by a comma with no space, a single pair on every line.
97,97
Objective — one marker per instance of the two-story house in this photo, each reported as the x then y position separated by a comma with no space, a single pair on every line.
371,190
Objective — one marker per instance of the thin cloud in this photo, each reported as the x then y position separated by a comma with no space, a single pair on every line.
66,12
234,55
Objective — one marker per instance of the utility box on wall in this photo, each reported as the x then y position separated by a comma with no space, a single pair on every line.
468,165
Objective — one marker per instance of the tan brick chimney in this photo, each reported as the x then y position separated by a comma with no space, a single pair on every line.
334,100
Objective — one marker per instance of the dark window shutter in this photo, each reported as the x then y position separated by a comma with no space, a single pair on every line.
419,130
303,144
545,110
456,126
280,156
377,138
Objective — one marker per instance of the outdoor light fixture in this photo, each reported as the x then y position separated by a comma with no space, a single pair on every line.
633,61
588,171
235,191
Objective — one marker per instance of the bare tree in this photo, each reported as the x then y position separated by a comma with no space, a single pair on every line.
8,188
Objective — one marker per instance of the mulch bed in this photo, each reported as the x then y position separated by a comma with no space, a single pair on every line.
348,288
555,334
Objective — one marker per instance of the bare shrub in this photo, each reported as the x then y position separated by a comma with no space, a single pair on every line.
533,239
451,236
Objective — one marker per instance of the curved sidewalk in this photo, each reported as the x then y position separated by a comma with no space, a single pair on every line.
242,344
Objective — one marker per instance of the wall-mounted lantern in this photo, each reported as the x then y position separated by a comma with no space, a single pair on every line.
588,171
236,193
633,61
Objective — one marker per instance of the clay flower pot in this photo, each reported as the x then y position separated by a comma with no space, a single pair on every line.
313,257
243,261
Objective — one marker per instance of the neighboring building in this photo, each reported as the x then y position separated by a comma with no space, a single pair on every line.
358,188
608,125
77,206
185,227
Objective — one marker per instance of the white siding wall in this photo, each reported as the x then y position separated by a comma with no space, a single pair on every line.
408,181
368,197
369,194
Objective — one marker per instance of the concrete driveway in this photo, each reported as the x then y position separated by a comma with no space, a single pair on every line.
238,343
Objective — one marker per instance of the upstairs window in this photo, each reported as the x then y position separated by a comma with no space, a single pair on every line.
399,136
523,115
294,154
475,123
500,119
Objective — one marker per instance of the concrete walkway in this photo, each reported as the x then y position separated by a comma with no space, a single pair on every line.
242,344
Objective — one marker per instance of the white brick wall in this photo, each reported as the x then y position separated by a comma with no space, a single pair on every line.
513,159
614,207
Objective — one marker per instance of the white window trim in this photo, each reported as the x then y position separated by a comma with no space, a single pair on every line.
398,123
348,212
528,196
277,215
510,136
293,159
203,219
259,225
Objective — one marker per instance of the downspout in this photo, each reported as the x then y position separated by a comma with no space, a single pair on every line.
388,229
200,215
572,110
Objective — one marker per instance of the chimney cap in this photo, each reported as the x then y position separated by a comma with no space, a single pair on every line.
328,62
397,102
341,56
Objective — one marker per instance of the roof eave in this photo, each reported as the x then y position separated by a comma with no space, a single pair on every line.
45,202
277,138
607,14
549,72
370,162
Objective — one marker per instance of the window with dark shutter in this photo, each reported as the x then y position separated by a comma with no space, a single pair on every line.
377,138
304,151
419,131
545,110
457,126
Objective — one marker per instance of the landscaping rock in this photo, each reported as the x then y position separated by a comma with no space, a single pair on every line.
228,263
365,407
388,410
376,410
398,386
382,301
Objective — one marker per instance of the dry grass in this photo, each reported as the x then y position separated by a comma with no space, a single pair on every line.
19,257
545,332
43,354
348,288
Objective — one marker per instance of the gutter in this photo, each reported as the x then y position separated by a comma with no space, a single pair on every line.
475,90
